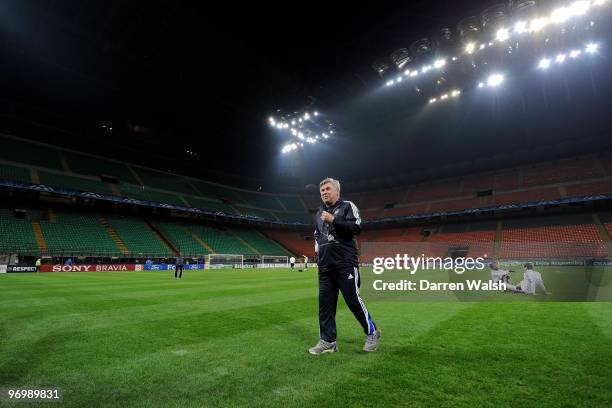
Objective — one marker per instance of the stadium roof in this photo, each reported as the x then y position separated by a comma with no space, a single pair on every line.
191,88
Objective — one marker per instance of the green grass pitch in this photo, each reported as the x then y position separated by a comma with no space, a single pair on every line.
240,338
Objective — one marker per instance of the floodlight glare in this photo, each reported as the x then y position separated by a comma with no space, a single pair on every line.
432,100
579,8
575,53
502,34
544,63
591,48
481,84
389,83
538,24
316,113
444,96
495,80
470,47
560,15
520,27
439,63
399,79
414,73
560,58
456,92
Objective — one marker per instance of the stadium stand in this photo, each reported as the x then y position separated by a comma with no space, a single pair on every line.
552,237
298,243
165,181
96,166
79,183
45,164
262,244
16,233
137,236
179,234
19,151
9,172
223,241
292,203
210,205
77,232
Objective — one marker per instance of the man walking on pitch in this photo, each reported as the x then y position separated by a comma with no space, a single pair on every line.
178,266
338,222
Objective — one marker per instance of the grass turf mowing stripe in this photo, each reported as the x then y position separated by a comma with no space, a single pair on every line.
221,339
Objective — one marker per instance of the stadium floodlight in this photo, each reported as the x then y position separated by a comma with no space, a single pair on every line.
560,15
544,63
293,122
502,34
560,58
455,93
306,116
443,97
426,68
495,80
537,24
390,82
454,58
575,53
482,46
599,2
399,79
316,113
579,8
432,100
414,73
331,132
591,48
470,47
325,135
520,27
439,63
481,84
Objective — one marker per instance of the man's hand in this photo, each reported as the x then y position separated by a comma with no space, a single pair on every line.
327,217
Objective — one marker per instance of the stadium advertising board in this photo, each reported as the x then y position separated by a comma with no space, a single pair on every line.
2,268
92,268
20,269
171,267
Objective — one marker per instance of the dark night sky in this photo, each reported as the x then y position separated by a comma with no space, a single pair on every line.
169,76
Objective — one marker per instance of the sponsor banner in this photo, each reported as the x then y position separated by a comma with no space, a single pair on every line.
91,268
20,269
2,268
170,267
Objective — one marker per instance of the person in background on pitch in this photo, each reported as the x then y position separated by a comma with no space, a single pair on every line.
305,262
178,266
338,222
292,262
531,281
499,275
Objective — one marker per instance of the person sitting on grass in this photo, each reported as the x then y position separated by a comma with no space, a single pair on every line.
531,281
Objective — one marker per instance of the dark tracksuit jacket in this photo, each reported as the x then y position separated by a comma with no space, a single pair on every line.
337,258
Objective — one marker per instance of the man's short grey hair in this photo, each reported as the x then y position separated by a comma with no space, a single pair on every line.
332,181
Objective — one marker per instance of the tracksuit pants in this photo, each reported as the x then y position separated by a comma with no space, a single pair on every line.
347,281
178,269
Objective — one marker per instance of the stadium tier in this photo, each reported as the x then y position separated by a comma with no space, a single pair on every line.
16,234
67,232
30,162
138,236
